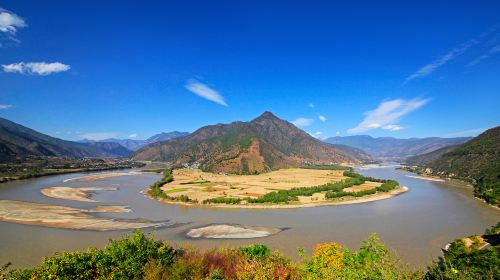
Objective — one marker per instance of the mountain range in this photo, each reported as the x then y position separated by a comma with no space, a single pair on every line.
134,144
263,144
389,148
19,141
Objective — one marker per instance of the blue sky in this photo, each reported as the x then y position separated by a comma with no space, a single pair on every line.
134,68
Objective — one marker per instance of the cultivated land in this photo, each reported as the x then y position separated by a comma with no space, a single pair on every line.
199,186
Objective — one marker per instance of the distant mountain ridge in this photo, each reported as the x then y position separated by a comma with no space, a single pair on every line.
394,148
263,144
134,144
19,141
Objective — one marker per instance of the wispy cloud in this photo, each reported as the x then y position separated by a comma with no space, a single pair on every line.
392,127
387,114
311,105
431,67
133,135
205,91
492,51
469,132
5,106
322,118
9,25
98,135
300,122
10,22
35,68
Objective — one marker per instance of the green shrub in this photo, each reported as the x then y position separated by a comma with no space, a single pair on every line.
257,251
120,259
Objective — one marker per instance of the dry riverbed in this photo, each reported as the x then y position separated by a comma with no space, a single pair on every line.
71,193
55,216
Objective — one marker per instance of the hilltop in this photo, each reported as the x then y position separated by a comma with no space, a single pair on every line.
266,143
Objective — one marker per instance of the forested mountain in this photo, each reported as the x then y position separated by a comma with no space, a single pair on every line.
263,144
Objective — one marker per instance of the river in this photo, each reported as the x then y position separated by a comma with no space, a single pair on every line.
415,224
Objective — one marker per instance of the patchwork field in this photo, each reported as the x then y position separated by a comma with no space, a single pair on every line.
200,186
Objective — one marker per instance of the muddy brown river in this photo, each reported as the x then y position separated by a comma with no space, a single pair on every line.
415,224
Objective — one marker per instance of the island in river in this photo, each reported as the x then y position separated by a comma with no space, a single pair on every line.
284,188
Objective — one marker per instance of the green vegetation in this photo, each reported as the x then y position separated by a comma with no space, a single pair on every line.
225,200
467,262
156,191
120,259
176,190
477,162
137,256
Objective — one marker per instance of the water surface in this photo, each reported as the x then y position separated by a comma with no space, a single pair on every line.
415,224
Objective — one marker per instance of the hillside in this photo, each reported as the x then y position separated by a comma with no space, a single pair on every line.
477,160
427,158
17,140
263,144
394,148
355,152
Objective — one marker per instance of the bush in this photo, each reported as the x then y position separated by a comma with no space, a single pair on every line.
120,259
255,251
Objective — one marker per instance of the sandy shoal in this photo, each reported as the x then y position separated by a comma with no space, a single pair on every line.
46,215
71,193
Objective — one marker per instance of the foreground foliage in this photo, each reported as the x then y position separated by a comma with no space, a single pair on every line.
137,256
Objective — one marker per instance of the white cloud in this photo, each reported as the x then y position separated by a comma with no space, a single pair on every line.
302,122
133,135
97,135
337,133
10,22
311,105
387,114
491,52
431,67
322,118
205,91
392,127
5,106
38,68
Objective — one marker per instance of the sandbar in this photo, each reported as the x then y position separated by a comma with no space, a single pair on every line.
71,193
30,213
231,232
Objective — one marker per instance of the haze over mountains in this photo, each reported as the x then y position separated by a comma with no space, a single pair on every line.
393,148
134,144
263,144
